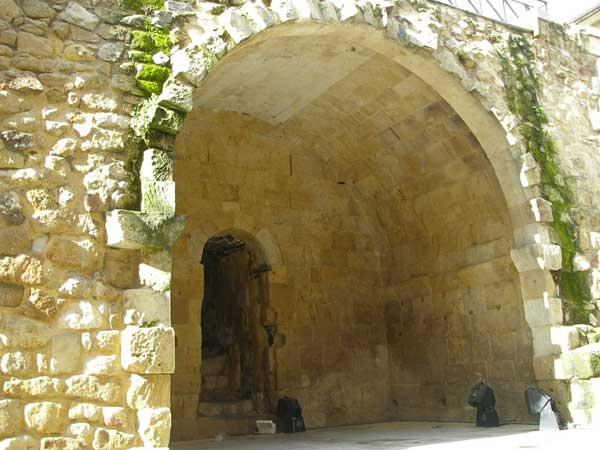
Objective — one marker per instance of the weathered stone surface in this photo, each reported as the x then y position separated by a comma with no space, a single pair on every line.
27,84
42,303
34,45
78,52
99,102
146,307
62,443
537,256
9,160
149,391
9,10
120,267
21,269
14,240
111,51
65,353
102,365
11,209
45,417
107,439
75,286
115,416
81,254
16,141
11,295
82,431
154,426
192,63
65,221
544,311
17,363
11,417
77,15
23,332
148,350
130,229
37,9
85,411
19,443
89,387
35,387
81,315
177,95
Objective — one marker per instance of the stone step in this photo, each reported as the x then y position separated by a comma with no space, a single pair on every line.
225,409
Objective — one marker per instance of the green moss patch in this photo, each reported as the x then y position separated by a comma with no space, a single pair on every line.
142,5
522,95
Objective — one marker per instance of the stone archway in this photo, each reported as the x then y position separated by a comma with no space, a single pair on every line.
394,225
525,234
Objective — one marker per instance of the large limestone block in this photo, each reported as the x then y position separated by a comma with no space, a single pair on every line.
146,307
106,439
149,391
22,332
81,254
34,387
65,353
154,426
89,387
21,269
549,340
45,417
543,311
236,25
11,417
136,230
19,443
77,15
537,256
81,315
148,350
581,363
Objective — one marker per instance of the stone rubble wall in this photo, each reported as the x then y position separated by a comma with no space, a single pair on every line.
86,346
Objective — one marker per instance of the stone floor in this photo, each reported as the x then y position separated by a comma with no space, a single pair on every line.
404,436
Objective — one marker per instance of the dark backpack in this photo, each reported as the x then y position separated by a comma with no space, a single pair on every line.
289,415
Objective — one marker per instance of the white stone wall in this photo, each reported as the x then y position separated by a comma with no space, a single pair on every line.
85,339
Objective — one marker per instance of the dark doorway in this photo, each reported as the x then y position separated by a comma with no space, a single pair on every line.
235,342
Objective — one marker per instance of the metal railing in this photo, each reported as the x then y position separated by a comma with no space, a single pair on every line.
508,11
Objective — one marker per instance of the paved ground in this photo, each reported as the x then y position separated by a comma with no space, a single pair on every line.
407,435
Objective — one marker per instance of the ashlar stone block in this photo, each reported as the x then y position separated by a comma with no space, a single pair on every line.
154,426
148,350
544,311
149,391
537,256
45,417
146,307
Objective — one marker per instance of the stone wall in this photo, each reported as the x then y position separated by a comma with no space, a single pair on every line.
86,344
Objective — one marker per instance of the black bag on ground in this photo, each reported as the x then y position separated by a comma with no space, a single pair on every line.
482,397
289,415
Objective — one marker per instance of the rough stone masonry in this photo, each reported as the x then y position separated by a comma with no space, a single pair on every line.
465,246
